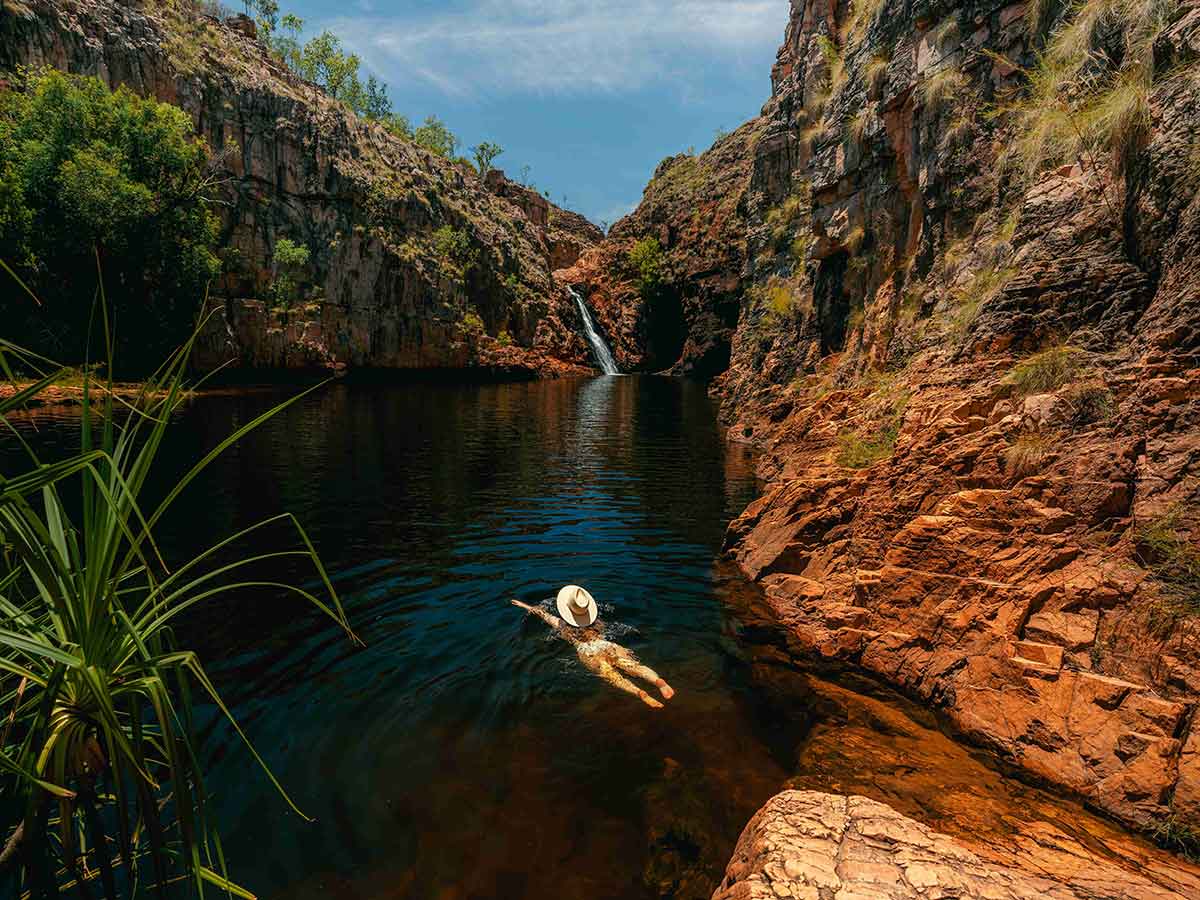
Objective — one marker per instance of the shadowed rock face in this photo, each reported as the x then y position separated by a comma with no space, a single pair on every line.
293,163
875,277
806,844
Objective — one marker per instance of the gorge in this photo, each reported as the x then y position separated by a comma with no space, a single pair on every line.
962,342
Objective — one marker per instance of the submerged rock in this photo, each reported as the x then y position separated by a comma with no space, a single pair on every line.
807,845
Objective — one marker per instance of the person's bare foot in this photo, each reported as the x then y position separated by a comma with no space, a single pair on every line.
665,689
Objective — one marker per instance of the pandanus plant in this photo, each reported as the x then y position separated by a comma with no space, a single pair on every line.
102,774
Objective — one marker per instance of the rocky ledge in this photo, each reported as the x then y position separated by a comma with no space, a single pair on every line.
807,845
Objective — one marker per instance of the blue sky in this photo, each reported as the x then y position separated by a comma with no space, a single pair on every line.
590,94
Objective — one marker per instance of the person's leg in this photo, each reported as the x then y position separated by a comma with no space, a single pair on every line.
634,667
606,671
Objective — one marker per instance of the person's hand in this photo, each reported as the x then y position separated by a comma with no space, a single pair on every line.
524,606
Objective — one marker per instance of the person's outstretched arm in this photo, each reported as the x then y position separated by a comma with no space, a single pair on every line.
553,621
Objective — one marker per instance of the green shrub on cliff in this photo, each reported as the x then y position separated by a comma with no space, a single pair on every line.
648,264
87,172
453,248
485,154
788,220
875,439
289,260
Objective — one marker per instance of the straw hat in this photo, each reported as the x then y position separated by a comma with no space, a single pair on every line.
577,606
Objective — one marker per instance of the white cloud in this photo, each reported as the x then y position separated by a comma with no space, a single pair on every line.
563,46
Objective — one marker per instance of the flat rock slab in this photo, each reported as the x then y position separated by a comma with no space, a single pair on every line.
809,845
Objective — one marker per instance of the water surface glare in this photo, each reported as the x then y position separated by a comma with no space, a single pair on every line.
464,753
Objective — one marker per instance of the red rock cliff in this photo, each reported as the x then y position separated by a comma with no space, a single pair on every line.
977,394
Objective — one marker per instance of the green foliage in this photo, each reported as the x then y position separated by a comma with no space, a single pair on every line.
485,154
399,125
648,263
1008,227
265,13
788,222
504,339
472,322
86,171
1025,455
289,260
322,61
453,248
100,762
435,137
779,298
1045,372
834,64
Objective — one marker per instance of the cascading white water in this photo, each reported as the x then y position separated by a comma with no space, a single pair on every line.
604,357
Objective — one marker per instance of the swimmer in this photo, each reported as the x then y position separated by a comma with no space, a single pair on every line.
606,659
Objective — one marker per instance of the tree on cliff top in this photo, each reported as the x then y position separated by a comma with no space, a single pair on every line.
322,61
84,171
435,137
485,154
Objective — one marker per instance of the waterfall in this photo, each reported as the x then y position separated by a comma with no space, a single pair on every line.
600,350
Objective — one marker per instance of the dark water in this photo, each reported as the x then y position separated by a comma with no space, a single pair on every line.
464,753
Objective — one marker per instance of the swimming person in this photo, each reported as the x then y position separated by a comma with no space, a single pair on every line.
608,660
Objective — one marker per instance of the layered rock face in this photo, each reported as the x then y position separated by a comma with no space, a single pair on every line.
976,391
414,262
806,844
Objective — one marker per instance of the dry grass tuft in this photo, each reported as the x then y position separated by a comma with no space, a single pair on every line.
1026,454
943,86
1090,403
857,129
1046,371
875,72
